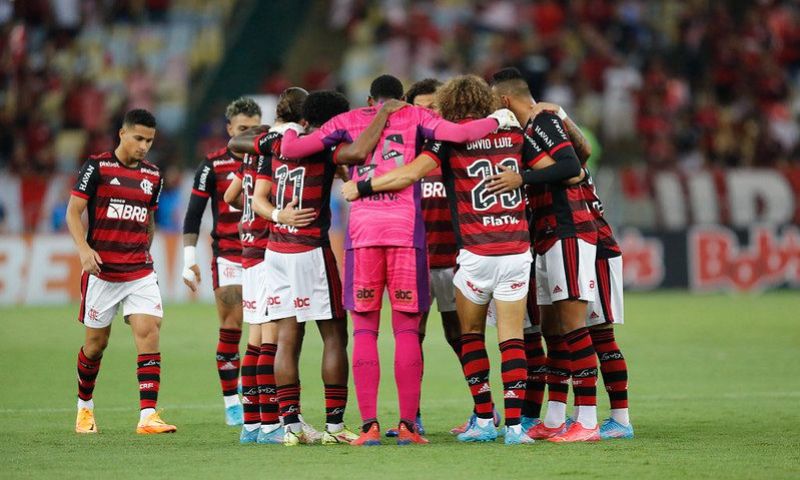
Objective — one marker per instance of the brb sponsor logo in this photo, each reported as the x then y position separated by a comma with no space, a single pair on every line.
433,190
718,261
302,302
121,210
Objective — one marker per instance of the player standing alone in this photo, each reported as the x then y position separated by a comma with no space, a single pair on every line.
120,191
212,178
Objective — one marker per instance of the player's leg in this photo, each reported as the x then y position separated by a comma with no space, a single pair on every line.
287,378
608,311
99,304
365,279
253,307
573,271
407,279
228,297
270,433
536,360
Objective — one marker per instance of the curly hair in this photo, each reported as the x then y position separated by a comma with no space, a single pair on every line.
290,104
242,106
464,97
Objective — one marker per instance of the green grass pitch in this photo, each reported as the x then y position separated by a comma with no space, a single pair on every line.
715,393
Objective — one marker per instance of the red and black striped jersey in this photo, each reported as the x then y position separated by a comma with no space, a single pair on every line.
309,180
558,211
255,229
484,223
607,246
211,179
439,233
121,202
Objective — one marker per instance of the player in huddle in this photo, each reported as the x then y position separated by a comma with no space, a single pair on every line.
492,234
213,176
119,190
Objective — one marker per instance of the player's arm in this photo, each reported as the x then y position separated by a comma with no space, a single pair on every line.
233,194
579,141
396,179
151,221
470,131
550,148
357,152
85,188
247,141
204,184
264,208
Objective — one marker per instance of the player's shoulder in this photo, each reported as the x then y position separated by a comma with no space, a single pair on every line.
150,168
104,159
217,154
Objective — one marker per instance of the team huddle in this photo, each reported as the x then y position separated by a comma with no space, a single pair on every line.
470,194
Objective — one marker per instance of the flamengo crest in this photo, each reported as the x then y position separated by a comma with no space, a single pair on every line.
147,186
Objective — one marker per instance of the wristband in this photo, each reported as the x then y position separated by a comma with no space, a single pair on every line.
275,214
561,114
189,256
365,187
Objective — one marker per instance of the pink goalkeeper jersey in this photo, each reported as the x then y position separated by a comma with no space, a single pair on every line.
389,219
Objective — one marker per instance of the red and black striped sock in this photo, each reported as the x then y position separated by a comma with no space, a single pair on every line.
148,371
335,403
228,360
514,372
612,366
584,366
265,376
252,412
558,368
289,403
87,375
475,364
537,378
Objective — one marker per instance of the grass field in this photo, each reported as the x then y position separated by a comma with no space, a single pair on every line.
715,393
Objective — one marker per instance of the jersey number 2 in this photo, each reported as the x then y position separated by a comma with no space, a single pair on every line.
481,198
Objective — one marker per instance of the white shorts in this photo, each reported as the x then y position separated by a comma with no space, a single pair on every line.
481,278
566,271
100,299
303,285
254,294
491,319
442,288
225,272
608,305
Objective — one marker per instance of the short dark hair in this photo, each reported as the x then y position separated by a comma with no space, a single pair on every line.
427,86
386,87
322,105
290,104
139,116
242,106
510,81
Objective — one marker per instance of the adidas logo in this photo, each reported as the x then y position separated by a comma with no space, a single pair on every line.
485,388
228,366
557,289
231,176
511,394
114,181
594,315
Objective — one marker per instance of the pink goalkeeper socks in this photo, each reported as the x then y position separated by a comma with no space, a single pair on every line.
407,362
366,365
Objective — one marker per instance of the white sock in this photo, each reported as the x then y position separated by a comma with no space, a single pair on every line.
484,422
89,404
556,412
231,400
270,427
295,427
146,412
587,416
575,412
252,426
515,428
334,427
620,415
302,420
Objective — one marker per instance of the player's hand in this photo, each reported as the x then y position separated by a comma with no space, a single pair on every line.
291,215
393,105
542,107
505,119
283,127
350,191
90,261
191,277
506,181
